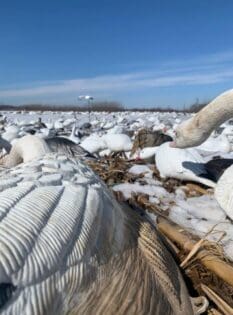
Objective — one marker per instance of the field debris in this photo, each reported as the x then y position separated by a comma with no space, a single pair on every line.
208,271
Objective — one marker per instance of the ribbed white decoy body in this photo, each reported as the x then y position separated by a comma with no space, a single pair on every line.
67,247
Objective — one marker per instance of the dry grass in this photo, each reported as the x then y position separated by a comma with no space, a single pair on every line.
196,254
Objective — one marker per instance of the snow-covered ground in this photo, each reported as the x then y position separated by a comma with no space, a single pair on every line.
101,132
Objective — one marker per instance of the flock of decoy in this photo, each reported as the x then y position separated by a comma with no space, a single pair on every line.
68,247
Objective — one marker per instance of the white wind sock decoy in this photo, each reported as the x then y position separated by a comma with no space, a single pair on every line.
67,247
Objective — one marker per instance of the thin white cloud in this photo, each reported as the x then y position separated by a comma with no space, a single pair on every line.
202,61
202,71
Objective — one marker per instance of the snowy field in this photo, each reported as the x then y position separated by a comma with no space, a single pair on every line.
105,133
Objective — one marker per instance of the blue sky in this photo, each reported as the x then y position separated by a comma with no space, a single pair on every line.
138,52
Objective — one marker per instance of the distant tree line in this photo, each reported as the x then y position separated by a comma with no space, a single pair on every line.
103,106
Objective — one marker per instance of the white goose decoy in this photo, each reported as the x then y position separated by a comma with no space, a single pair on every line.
147,154
197,129
11,133
25,149
74,134
116,130
37,146
67,247
171,163
93,144
117,142
216,145
58,124
44,133
49,124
